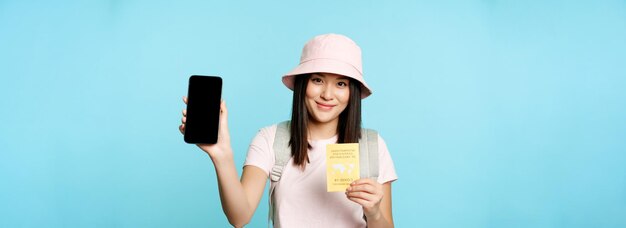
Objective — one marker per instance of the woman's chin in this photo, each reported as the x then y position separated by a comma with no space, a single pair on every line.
324,119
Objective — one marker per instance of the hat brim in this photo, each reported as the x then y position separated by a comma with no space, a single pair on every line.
327,66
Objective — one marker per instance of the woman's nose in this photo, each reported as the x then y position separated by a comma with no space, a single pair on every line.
327,93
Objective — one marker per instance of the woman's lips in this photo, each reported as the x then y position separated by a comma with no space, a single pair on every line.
324,106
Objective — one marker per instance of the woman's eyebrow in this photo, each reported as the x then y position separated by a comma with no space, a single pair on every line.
343,78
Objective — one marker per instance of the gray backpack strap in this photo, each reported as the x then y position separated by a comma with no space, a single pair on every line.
282,154
368,153
282,151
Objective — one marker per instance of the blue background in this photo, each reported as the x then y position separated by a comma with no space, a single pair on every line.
497,113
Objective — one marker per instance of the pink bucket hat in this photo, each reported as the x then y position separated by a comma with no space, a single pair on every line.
330,53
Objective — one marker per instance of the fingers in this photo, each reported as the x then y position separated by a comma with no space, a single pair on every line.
223,113
364,181
366,189
362,188
366,200
223,108
181,127
223,131
361,195
366,185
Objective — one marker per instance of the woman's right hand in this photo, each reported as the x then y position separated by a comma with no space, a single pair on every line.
221,150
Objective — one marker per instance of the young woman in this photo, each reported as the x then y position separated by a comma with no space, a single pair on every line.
327,86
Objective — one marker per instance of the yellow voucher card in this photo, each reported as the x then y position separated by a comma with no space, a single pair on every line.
342,166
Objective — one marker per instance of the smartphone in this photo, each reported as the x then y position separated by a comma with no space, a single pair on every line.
203,109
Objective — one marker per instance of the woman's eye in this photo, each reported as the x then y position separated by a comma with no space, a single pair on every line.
316,80
342,84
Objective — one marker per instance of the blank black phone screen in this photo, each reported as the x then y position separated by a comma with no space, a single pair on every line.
203,109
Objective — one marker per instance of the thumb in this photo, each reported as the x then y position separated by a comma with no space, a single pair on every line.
223,130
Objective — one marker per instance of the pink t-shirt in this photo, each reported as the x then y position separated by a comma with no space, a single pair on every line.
301,196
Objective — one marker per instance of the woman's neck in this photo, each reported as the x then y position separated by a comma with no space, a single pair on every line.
319,130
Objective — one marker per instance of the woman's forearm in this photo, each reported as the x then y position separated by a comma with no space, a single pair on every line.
232,195
379,222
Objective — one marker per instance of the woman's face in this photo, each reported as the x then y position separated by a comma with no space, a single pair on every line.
327,96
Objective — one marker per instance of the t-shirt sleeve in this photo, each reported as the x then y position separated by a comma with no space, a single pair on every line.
386,169
260,152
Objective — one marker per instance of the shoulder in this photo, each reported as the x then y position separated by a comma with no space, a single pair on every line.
269,131
373,131
261,152
266,135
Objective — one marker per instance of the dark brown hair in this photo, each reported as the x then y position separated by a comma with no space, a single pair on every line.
348,128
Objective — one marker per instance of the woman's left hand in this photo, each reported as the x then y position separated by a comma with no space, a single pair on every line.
368,193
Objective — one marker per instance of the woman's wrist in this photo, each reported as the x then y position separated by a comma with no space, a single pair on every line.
377,220
374,216
225,159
